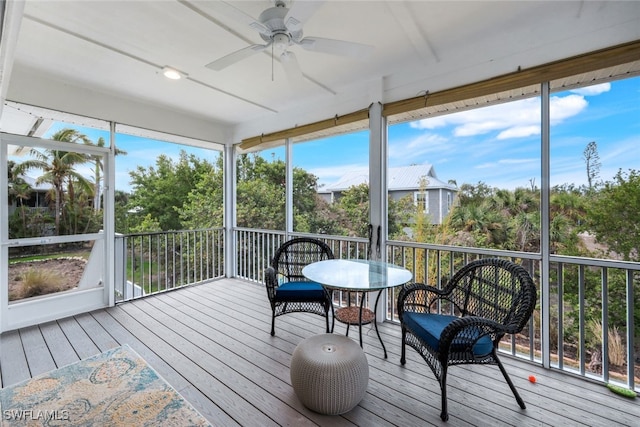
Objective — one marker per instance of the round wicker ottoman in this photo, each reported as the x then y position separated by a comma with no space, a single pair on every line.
329,373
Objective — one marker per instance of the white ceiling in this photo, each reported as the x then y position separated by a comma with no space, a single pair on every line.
103,58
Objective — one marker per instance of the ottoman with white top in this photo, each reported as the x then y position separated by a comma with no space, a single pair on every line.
329,373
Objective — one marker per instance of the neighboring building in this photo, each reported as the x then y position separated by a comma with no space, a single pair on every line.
435,197
38,197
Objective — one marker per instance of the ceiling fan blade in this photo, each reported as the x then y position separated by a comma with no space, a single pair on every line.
300,12
236,56
291,66
336,47
235,13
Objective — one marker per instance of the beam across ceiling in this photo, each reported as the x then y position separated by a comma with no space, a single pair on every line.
305,129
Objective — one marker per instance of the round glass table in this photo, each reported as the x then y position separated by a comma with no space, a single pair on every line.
357,275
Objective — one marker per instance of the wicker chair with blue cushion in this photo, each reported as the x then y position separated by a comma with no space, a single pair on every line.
287,288
486,299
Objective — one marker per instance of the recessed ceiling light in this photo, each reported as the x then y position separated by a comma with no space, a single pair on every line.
172,73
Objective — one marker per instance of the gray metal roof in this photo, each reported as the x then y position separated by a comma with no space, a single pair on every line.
399,178
33,183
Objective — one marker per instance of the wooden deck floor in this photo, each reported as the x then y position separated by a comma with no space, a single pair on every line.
212,343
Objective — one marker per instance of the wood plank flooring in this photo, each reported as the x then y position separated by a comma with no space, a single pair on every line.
211,342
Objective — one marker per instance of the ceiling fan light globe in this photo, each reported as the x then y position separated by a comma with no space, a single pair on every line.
281,42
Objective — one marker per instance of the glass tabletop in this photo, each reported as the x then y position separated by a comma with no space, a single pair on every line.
356,274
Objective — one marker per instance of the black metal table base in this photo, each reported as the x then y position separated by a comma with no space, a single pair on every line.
348,320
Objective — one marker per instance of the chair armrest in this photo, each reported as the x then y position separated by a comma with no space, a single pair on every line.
271,282
418,298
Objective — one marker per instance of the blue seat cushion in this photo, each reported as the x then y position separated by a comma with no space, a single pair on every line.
429,327
300,291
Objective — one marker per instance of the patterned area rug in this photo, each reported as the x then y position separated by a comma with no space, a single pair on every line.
115,388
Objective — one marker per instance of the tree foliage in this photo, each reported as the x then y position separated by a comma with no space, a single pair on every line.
187,193
163,189
592,162
71,194
613,214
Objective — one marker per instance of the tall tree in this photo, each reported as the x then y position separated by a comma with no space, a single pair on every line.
98,168
163,189
355,204
204,205
59,170
592,161
613,215
260,192
19,190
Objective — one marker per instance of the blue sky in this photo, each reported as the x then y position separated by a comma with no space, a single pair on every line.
498,145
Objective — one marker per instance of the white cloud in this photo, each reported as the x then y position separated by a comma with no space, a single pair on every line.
423,145
427,138
519,132
593,90
512,161
562,108
515,119
431,123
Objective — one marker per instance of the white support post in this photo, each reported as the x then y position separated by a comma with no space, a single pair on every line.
289,185
229,221
377,180
4,237
110,218
378,190
545,314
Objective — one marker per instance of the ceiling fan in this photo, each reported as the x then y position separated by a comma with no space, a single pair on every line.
281,28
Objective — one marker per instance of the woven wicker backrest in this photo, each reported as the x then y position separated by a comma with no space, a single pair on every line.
297,253
495,289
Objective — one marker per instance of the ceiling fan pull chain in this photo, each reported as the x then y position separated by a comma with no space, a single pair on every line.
272,78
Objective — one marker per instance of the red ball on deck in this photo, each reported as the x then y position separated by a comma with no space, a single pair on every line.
532,379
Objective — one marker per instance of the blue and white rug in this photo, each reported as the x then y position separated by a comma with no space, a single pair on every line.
115,388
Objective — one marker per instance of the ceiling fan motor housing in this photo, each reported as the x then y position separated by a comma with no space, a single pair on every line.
274,18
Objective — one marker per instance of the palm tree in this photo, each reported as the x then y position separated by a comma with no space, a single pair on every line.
481,222
97,171
58,168
520,210
17,185
19,189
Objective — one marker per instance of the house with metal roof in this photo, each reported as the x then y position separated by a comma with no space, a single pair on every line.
420,182
37,197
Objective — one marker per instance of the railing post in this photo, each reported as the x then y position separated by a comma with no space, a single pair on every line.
545,240
378,191
229,196
631,330
120,271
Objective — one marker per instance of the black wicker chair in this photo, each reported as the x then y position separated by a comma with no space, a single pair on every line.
487,299
287,288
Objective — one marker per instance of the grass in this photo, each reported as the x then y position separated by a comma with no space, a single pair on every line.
79,254
37,282
617,350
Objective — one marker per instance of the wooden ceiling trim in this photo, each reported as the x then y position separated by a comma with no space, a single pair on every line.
580,64
304,129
